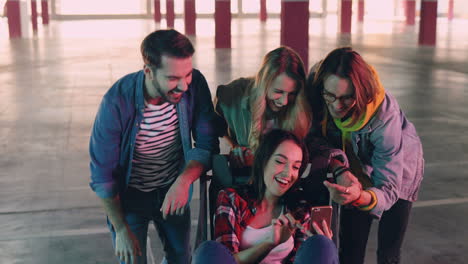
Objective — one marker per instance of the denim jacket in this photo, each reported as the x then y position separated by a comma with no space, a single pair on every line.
118,121
390,153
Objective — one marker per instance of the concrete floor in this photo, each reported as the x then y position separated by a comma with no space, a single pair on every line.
52,83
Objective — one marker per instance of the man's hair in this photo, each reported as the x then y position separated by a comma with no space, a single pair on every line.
296,116
268,145
348,64
165,42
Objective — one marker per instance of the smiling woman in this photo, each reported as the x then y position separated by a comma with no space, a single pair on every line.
354,112
249,107
256,224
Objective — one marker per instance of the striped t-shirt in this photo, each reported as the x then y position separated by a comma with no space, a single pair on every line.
158,153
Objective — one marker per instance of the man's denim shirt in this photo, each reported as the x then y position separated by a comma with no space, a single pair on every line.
118,120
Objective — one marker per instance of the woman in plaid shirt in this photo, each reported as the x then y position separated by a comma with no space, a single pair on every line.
262,224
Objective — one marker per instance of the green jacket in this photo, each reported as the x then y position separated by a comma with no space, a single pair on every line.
233,110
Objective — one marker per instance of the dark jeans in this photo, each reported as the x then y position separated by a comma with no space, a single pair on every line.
316,249
140,208
355,228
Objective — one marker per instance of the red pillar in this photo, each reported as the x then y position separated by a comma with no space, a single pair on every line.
361,10
295,27
190,17
263,11
34,14
14,18
450,10
157,11
223,24
170,15
45,12
345,16
428,23
410,11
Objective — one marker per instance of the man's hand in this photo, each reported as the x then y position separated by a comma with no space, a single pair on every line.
176,198
127,247
177,195
126,244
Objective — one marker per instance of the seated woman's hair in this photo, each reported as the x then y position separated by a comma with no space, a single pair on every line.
269,142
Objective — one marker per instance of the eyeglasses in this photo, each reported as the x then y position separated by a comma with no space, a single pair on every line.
345,99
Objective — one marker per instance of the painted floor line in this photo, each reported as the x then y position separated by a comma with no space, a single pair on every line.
445,163
104,230
448,201
69,232
149,252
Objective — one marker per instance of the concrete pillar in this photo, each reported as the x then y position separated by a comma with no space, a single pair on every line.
410,11
345,16
428,23
396,7
295,27
18,18
157,11
14,18
361,10
223,24
170,15
45,12
324,8
450,10
34,15
190,17
263,11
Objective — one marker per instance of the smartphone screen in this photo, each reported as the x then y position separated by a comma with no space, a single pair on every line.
318,214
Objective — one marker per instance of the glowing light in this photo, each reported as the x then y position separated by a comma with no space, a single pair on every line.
90,7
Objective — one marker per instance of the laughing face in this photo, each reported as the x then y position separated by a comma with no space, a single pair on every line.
168,82
282,169
281,93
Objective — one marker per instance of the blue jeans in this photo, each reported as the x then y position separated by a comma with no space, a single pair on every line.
140,208
316,249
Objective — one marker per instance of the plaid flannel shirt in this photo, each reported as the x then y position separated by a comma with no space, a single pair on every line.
234,213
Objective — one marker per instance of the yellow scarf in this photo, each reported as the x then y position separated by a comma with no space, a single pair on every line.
371,108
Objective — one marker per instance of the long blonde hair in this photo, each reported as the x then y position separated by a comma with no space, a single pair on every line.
297,117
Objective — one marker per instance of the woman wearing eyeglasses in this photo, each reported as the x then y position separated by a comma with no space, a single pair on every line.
353,112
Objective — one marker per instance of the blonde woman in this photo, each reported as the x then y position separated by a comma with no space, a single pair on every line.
249,107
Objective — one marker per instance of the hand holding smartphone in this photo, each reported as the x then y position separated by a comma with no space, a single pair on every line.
318,214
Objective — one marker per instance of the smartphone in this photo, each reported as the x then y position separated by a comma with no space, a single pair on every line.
318,214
